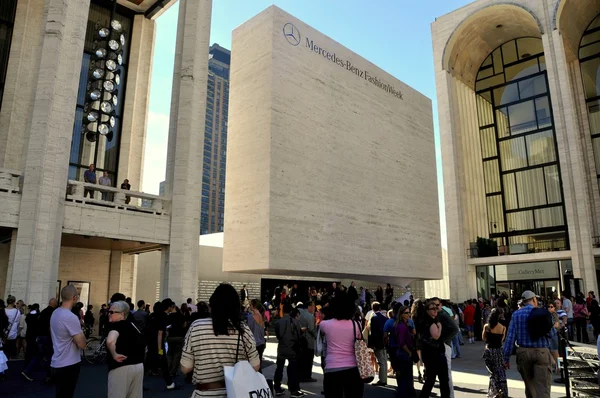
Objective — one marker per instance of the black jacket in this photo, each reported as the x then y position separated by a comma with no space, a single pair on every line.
44,322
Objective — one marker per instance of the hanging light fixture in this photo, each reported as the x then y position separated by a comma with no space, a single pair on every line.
105,78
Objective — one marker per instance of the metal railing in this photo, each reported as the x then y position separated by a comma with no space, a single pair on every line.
100,195
10,181
539,246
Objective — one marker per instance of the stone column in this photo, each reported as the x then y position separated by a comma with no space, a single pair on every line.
571,152
186,145
34,268
123,274
137,100
20,85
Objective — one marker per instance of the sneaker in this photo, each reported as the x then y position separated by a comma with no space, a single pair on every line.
173,386
295,394
26,376
279,391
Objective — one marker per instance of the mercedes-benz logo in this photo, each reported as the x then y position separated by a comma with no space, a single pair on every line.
291,34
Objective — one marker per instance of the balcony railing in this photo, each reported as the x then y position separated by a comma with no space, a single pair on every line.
81,192
10,181
539,246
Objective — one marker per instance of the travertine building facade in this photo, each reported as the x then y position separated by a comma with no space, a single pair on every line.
331,166
518,98
54,228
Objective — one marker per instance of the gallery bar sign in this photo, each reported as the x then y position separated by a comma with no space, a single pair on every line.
293,37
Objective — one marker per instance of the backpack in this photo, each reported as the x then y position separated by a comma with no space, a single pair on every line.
539,323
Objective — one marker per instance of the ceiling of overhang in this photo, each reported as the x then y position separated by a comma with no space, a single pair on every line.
572,18
143,5
481,33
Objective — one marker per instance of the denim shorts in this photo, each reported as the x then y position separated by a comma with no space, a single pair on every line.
553,343
470,328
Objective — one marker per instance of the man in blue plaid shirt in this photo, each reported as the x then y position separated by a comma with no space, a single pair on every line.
534,361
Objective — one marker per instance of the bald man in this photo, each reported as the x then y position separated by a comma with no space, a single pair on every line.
44,342
68,341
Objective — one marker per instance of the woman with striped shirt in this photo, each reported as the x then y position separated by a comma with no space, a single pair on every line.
215,342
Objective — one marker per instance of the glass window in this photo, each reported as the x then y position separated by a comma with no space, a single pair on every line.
506,94
531,188
540,148
522,118
594,117
483,73
7,18
522,69
552,184
502,122
491,176
495,212
520,221
529,46
510,192
589,50
590,38
488,143
549,217
513,154
489,82
509,52
531,87
488,61
543,112
589,72
485,112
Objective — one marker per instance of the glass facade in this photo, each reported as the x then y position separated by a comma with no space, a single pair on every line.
518,143
8,8
104,154
589,59
215,141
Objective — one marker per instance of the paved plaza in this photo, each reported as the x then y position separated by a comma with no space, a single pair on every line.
469,373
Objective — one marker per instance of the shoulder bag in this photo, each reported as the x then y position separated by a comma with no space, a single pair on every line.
363,357
241,380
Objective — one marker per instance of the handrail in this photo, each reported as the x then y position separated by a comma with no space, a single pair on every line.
121,198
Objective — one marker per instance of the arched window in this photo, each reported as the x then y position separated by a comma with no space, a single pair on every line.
518,144
589,59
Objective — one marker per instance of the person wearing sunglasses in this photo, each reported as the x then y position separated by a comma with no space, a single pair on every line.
126,347
404,354
433,352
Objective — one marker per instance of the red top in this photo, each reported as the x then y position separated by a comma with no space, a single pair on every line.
469,315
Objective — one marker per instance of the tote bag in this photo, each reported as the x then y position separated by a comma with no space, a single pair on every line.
242,381
363,357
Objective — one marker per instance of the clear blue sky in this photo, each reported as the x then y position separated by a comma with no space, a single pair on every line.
393,34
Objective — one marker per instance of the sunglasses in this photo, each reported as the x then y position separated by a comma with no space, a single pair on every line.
113,312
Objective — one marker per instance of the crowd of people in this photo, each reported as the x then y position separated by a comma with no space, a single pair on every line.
199,340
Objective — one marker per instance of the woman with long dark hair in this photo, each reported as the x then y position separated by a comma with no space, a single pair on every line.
342,378
418,313
494,334
433,353
218,341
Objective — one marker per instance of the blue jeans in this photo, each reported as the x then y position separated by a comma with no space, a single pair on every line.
456,346
571,328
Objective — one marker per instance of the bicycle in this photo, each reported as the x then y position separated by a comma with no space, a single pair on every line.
95,350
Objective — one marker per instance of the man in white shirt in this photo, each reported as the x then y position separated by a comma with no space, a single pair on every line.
105,181
68,341
568,308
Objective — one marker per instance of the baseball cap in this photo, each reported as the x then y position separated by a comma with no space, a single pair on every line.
528,295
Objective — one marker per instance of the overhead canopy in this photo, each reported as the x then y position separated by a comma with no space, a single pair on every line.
572,18
152,8
481,33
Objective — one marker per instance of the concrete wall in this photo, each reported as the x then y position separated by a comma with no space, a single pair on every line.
86,265
148,277
328,174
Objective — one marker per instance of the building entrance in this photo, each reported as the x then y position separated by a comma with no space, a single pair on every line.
513,290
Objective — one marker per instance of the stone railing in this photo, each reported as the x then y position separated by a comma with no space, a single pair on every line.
10,181
82,192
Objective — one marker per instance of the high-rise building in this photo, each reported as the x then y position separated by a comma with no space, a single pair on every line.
215,141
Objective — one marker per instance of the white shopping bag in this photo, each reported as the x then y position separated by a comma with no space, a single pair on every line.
242,381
